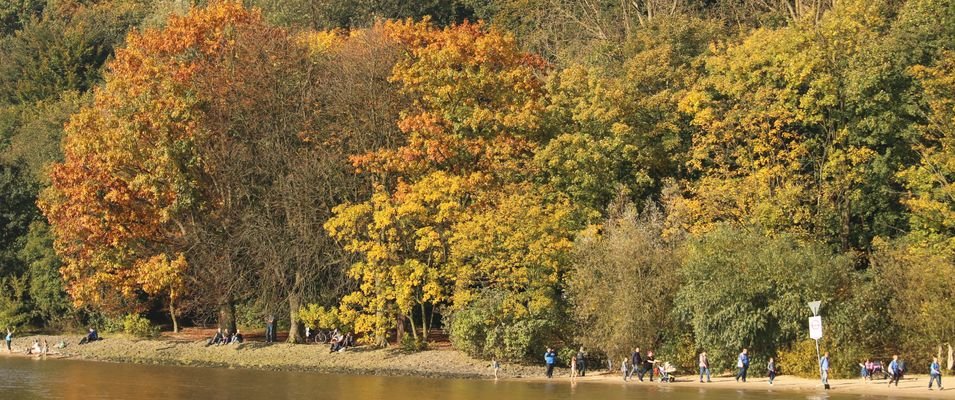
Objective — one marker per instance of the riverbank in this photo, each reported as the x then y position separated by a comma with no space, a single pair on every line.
440,363
913,386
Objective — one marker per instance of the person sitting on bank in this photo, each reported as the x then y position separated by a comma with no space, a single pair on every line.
92,336
237,337
216,339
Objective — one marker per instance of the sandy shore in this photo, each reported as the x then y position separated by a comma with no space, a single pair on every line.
915,386
441,363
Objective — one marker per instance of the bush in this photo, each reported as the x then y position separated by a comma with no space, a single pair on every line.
411,344
799,359
743,289
136,325
483,330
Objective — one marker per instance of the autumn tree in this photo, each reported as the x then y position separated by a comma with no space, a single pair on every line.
789,138
159,171
619,126
468,141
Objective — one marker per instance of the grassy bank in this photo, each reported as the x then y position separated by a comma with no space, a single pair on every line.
443,363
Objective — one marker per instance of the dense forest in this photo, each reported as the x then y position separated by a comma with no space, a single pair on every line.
677,175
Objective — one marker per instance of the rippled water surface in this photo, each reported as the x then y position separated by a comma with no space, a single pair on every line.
22,379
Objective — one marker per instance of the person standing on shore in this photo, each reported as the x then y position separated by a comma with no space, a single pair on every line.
624,370
704,367
895,368
9,339
550,358
582,362
771,370
270,329
935,374
636,361
742,362
496,366
824,369
573,368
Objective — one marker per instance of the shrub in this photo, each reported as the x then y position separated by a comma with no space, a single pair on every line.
799,359
411,344
136,325
743,289
483,330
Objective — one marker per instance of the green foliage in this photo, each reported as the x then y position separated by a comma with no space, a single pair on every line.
14,14
139,326
17,212
411,344
742,289
330,14
49,302
13,306
486,329
64,50
917,281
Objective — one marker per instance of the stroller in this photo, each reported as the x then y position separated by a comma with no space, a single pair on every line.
666,371
878,370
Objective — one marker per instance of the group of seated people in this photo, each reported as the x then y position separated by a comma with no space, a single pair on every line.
92,336
340,342
37,348
221,338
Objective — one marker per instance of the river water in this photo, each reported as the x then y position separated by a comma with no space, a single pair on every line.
22,379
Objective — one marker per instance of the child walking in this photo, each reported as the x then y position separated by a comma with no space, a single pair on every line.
935,374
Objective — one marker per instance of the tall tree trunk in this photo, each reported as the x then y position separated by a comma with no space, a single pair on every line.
414,331
227,315
172,314
400,330
424,324
294,336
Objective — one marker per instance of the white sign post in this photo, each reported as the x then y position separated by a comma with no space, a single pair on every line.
815,327
815,332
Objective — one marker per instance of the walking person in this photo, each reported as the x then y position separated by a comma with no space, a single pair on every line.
742,362
935,374
636,363
771,369
864,370
704,367
582,362
648,364
895,368
496,366
824,370
550,358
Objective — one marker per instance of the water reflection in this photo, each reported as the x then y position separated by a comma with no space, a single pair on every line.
22,379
